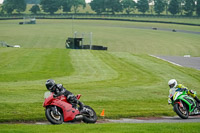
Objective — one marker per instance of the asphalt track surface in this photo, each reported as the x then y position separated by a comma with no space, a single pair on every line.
161,29
175,119
192,62
149,28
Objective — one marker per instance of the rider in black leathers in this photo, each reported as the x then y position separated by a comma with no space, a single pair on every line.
58,90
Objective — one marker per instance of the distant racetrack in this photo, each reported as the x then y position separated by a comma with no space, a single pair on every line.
151,28
161,29
192,62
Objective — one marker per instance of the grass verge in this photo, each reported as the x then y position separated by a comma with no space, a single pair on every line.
106,128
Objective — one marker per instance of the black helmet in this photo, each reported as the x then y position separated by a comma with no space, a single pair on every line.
50,83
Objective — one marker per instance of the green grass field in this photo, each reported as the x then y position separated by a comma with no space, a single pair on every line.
125,80
106,128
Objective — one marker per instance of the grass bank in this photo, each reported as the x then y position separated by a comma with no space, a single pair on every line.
117,36
124,84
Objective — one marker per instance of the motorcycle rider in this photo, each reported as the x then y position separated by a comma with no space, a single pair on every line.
179,87
58,90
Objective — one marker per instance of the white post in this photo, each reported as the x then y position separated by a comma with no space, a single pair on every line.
72,24
75,33
90,40
82,40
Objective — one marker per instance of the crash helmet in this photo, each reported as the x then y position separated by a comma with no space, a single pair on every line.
50,84
172,83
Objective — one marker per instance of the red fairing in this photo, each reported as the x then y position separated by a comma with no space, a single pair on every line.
69,113
48,100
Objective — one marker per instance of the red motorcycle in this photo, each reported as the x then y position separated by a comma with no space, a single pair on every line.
58,110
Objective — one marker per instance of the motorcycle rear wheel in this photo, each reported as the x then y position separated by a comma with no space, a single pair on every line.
53,118
90,116
183,113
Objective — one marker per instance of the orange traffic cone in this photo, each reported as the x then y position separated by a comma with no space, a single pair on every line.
102,113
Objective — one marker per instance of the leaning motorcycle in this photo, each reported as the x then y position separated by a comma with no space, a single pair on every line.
58,110
184,105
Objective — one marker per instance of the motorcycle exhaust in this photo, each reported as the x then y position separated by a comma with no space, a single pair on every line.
79,117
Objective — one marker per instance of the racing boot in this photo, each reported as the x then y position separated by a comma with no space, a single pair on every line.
83,111
81,108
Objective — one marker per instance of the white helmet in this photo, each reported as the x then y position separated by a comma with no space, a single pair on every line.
172,83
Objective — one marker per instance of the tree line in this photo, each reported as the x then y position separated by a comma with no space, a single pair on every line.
188,7
32,1
182,7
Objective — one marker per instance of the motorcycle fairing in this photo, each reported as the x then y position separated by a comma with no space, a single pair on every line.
69,113
186,99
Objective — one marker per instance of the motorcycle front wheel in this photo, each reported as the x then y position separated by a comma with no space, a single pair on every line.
90,115
52,117
181,111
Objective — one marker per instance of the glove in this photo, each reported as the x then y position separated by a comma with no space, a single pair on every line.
54,95
169,101
72,99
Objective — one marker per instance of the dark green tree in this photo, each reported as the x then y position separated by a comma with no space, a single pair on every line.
10,5
181,4
66,5
34,9
166,2
113,6
189,7
198,8
50,6
76,4
143,6
128,5
1,10
98,6
20,5
174,7
159,6
32,1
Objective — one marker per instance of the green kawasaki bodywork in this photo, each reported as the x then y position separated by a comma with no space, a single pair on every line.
186,99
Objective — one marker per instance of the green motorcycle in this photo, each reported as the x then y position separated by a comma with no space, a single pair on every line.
183,104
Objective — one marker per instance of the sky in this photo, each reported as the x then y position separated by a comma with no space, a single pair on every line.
87,1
